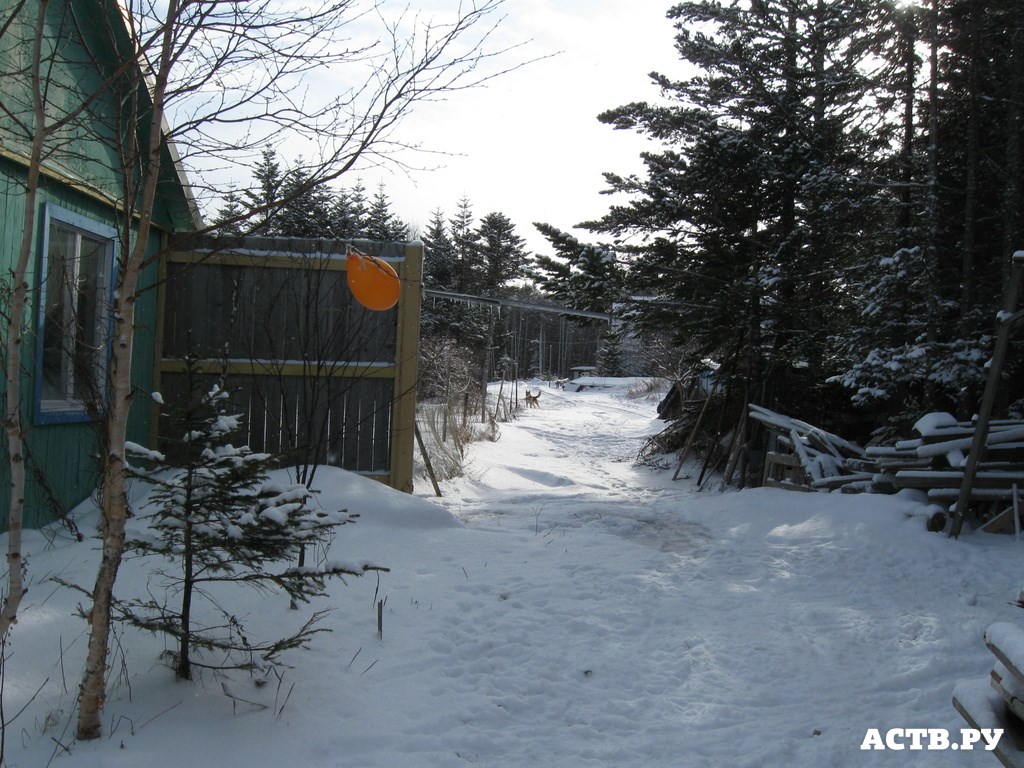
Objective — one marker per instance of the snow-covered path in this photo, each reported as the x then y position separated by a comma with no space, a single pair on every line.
572,467
676,628
582,611
570,651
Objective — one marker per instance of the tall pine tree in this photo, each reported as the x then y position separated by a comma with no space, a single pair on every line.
305,209
265,194
749,216
581,275
438,273
349,213
467,262
381,222
926,307
438,259
502,253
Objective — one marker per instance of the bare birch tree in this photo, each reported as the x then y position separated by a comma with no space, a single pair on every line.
18,293
220,78
209,83
38,116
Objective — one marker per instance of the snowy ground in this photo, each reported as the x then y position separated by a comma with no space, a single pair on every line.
558,607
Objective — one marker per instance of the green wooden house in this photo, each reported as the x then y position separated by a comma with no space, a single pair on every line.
76,240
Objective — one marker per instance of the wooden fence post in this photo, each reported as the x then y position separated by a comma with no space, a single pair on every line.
407,348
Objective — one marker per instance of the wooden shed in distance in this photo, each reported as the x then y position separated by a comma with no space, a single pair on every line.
318,378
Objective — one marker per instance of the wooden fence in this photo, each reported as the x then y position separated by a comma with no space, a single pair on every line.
318,378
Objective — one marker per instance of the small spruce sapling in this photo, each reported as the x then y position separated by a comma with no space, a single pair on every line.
217,520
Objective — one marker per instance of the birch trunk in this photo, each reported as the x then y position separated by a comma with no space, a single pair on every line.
13,427
115,501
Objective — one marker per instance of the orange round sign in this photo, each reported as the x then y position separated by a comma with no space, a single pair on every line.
373,281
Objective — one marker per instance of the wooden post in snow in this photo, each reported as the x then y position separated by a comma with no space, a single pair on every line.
683,454
1004,325
426,459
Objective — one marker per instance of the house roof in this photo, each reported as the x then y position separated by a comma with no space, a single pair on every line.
83,157
182,212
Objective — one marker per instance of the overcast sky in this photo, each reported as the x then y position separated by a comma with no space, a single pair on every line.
529,144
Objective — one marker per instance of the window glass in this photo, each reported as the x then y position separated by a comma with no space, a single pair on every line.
74,326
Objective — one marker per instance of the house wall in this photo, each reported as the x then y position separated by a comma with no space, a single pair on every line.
62,458
80,95
84,40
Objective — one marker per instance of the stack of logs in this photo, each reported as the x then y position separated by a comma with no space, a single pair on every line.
804,457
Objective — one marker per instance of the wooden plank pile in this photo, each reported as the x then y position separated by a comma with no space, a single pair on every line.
998,703
934,463
804,457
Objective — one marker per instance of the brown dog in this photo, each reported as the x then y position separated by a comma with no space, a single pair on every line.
531,400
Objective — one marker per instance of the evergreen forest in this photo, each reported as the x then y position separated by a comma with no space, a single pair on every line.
828,223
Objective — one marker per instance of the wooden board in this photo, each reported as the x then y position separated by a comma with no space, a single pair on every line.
981,708
891,452
1006,641
837,481
785,459
1006,684
995,437
952,493
914,478
1001,523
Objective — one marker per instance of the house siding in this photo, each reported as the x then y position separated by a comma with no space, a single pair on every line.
82,175
62,459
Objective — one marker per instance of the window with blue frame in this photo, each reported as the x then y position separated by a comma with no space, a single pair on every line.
74,317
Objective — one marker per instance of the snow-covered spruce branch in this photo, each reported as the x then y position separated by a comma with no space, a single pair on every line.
229,638
215,514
